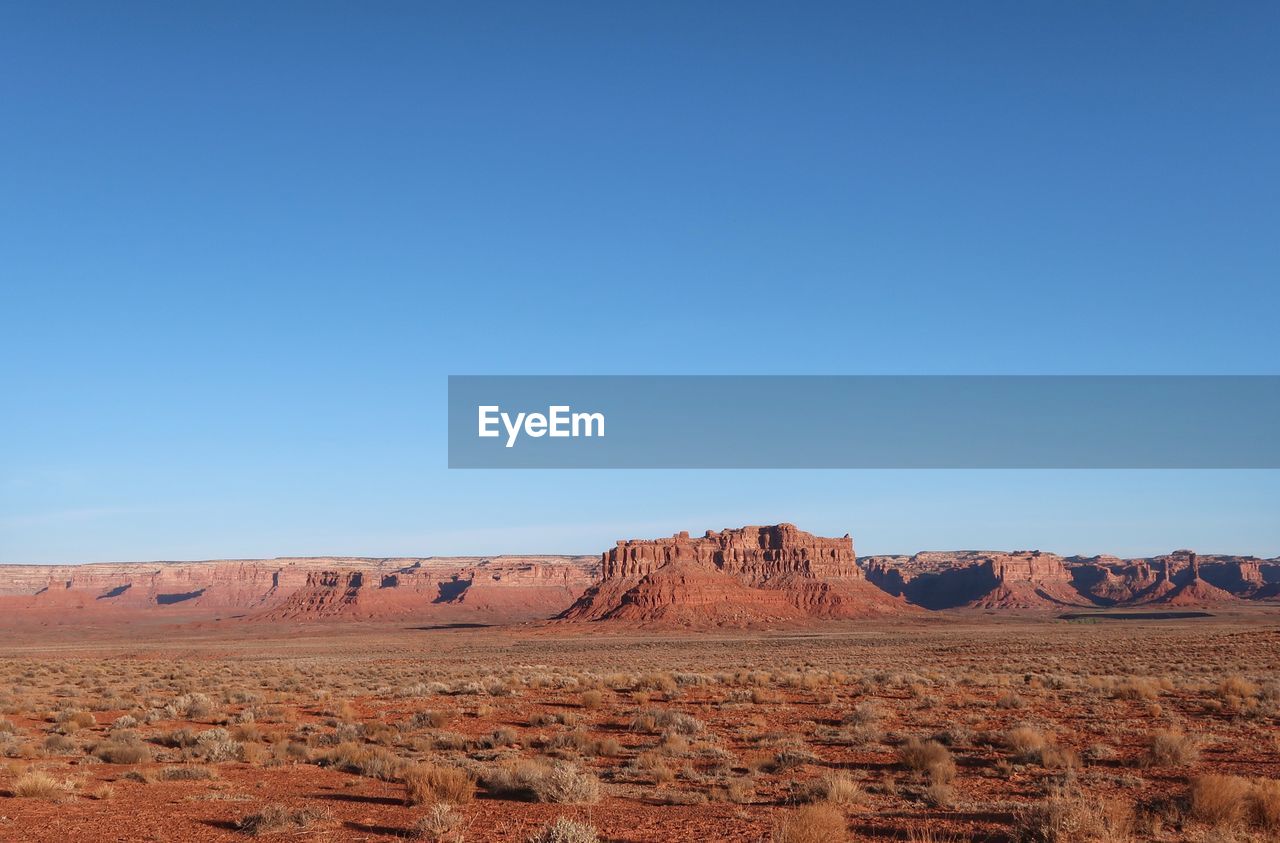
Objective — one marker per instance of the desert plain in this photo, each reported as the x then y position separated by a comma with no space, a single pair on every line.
809,717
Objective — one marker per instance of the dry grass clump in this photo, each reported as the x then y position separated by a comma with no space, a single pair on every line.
441,823
187,772
1072,818
72,720
122,752
560,782
1171,748
591,700
275,819
1264,803
1025,742
37,785
837,788
817,823
565,830
929,758
376,762
1219,800
435,783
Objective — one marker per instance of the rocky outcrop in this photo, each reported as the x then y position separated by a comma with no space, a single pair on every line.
493,589
1032,580
743,577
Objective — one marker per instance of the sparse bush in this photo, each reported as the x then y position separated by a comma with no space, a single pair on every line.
434,783
122,752
1072,818
565,830
1264,803
559,782
1168,748
187,772
1219,800
439,824
274,819
838,788
592,699
817,823
37,785
929,758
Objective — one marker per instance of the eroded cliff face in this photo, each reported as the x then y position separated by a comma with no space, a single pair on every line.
741,577
1033,580
502,589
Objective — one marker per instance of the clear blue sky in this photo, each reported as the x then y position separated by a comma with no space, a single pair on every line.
241,247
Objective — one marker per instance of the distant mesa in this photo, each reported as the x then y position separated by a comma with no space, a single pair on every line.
1034,580
446,590
749,576
745,577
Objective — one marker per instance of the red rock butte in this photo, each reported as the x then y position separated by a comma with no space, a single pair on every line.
744,577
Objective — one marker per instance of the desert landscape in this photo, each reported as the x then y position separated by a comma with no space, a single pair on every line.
756,684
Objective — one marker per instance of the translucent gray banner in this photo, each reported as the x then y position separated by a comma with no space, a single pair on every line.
864,421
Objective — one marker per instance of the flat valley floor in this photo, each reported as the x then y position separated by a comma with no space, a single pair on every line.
958,727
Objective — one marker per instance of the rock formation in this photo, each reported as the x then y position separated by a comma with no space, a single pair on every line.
745,577
488,589
1032,580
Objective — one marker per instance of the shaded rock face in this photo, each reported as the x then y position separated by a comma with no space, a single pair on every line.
1036,580
491,589
1022,579
742,577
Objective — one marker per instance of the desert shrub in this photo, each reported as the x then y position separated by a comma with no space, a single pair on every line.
1025,742
928,758
178,738
1264,803
739,791
1169,748
193,706
7,727
374,761
1072,818
939,795
559,782
592,699
430,719
838,788
565,830
435,783
1137,688
654,764
187,772
1219,800
791,757
566,784
1237,687
122,752
1010,699
674,721
866,713
37,785
216,745
440,823
1055,757
817,823
275,819
59,744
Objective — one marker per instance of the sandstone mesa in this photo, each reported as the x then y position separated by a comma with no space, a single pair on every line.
746,577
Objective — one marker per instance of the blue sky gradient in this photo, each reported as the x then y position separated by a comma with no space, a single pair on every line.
243,245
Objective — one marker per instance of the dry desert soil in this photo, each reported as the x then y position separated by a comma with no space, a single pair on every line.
954,727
